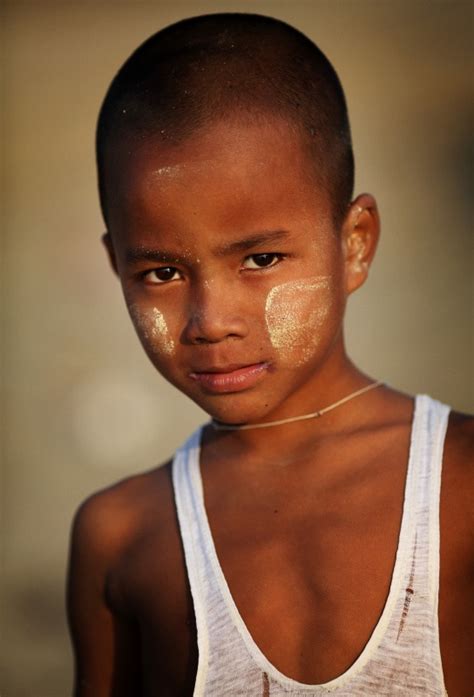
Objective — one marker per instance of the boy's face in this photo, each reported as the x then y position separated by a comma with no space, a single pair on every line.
231,269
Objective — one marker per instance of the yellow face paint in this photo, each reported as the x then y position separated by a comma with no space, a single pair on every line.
294,312
152,328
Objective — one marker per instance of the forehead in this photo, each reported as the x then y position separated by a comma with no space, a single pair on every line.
231,173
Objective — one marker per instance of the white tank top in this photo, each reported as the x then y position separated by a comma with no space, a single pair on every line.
402,656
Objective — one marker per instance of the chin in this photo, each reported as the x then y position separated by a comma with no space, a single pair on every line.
233,409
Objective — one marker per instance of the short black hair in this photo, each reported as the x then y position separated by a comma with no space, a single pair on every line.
198,70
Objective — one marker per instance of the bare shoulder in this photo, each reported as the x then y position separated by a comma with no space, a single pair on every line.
110,519
107,530
458,474
113,521
457,484
457,554
458,466
460,437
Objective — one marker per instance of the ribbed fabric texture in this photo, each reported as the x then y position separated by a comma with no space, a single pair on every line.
402,656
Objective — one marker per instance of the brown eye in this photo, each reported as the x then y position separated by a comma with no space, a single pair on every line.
261,261
162,275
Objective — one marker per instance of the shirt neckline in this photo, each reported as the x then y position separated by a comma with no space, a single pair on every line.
397,572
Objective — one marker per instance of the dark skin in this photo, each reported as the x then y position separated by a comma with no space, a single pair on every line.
130,608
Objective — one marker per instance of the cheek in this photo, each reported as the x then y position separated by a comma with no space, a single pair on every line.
153,330
295,313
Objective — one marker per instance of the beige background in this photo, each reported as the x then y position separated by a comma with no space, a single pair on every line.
84,407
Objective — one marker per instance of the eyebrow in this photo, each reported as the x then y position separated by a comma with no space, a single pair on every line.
134,255
255,240
137,254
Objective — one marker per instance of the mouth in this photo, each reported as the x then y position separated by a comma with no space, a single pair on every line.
230,378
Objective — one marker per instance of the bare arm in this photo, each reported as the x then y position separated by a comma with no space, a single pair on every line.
457,557
106,646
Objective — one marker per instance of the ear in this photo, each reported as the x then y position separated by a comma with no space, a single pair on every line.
109,246
360,234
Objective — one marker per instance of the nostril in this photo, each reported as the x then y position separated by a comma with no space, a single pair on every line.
202,340
212,319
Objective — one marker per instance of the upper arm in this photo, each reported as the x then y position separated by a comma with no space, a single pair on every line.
105,645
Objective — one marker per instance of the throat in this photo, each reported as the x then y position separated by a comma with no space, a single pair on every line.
219,426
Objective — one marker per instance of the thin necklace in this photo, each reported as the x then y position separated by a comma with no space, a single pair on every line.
245,427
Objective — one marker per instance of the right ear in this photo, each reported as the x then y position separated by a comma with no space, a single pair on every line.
109,246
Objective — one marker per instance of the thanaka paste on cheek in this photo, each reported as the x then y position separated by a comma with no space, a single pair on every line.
294,314
169,171
152,328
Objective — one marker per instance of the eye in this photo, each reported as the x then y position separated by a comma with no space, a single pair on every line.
262,261
162,275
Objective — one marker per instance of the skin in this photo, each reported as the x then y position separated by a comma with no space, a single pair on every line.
130,608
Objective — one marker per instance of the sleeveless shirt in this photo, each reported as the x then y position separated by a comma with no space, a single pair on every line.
402,655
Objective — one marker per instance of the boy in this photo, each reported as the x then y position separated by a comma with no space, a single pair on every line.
291,547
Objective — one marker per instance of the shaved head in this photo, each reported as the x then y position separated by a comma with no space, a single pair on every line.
242,67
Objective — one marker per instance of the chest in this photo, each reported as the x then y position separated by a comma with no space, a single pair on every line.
316,560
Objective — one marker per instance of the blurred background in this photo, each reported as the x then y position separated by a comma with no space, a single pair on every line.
82,405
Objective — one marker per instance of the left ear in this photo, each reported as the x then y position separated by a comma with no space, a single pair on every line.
360,234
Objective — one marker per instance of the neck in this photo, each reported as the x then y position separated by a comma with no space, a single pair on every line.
219,426
303,434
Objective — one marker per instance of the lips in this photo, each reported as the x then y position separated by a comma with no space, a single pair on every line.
229,378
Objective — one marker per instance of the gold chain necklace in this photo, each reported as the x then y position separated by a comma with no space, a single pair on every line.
245,427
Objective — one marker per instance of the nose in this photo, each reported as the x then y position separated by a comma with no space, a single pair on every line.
215,313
